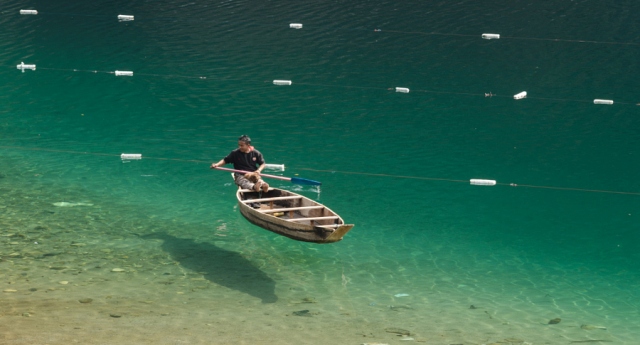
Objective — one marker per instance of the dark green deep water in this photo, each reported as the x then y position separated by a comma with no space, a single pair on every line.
394,164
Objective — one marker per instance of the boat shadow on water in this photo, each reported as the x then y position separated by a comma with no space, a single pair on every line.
219,266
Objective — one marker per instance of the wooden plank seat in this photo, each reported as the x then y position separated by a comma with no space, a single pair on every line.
272,199
313,218
290,209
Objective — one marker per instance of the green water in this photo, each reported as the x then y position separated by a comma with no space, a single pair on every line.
563,243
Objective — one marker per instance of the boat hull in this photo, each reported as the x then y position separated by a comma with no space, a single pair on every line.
302,219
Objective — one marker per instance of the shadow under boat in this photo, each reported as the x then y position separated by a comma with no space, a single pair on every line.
219,266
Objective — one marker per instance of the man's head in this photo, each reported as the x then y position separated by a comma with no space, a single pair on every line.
244,143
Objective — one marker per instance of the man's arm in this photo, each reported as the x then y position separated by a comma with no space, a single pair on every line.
219,164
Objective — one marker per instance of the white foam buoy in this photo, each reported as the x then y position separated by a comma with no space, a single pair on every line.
481,182
491,36
130,156
32,12
402,89
602,101
295,26
22,66
124,73
278,167
282,82
125,18
520,95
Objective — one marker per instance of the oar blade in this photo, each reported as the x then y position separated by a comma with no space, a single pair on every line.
299,180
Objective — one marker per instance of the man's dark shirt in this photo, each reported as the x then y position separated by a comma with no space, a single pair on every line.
245,161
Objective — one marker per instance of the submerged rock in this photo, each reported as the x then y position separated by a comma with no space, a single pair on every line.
58,268
397,331
302,313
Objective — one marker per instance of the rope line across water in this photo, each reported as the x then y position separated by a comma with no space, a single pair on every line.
377,30
424,178
467,181
387,89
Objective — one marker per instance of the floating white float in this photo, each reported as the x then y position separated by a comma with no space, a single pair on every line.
295,26
520,95
481,182
124,73
278,167
402,89
491,36
125,18
130,156
282,82
32,12
602,101
22,67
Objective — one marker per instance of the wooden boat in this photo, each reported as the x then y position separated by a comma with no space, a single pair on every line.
292,215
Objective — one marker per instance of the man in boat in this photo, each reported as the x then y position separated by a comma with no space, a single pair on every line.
246,158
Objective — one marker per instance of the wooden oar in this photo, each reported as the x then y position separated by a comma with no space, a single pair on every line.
296,180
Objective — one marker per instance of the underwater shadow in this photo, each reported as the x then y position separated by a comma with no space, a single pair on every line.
219,266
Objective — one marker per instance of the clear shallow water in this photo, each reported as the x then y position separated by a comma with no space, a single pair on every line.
522,255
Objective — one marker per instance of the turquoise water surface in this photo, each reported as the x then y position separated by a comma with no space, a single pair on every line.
557,237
